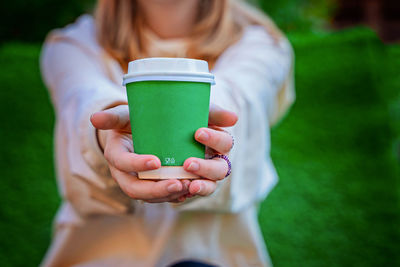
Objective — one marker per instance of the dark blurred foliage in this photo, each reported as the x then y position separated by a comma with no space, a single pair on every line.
31,20
299,15
381,15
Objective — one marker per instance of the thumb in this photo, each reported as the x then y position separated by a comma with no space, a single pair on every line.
116,118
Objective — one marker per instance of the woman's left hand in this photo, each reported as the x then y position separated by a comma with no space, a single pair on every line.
217,141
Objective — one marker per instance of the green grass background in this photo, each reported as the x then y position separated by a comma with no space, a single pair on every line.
337,202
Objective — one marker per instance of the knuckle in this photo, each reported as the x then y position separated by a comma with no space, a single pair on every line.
219,177
227,145
216,140
222,169
108,155
118,164
207,169
211,169
226,149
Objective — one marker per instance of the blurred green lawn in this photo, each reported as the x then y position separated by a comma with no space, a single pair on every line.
337,202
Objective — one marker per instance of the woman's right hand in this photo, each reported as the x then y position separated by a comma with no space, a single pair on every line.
114,135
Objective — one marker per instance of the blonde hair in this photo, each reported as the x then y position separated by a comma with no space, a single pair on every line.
219,24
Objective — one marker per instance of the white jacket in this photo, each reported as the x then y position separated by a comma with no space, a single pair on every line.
97,224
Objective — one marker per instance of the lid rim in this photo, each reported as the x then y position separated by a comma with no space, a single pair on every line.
168,73
168,59
134,79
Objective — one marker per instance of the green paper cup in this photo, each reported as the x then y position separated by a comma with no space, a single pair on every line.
168,101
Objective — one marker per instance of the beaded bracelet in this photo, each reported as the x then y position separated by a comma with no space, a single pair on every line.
224,157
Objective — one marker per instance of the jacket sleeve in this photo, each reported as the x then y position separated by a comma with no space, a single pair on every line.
254,78
78,85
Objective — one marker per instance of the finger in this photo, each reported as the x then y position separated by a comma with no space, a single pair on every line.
202,187
214,169
176,197
145,189
218,140
113,118
180,199
221,117
118,152
185,183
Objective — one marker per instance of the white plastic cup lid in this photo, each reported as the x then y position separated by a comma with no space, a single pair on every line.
168,69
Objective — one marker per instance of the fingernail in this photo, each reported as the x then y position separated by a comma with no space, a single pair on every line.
203,136
151,164
173,188
193,166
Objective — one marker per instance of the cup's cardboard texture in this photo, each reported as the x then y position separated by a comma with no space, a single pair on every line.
164,118
165,110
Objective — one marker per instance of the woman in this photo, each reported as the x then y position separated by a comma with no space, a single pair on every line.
106,218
